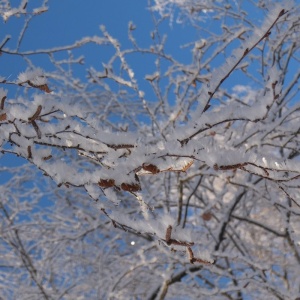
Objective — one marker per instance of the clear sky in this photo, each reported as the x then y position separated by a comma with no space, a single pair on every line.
69,20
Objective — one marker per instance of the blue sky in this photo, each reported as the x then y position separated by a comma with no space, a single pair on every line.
69,20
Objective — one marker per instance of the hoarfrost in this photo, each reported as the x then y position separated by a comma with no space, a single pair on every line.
35,76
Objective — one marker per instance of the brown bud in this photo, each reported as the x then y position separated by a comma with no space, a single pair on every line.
3,117
130,187
2,102
29,152
47,157
151,168
274,84
168,234
106,183
206,216
216,167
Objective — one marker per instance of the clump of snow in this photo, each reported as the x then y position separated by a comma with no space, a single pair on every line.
7,14
40,10
204,255
93,190
35,76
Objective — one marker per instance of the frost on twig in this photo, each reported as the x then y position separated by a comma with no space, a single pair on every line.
6,11
188,246
34,78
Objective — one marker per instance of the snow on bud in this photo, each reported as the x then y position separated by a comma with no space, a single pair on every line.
200,44
40,10
160,145
152,77
265,161
7,14
130,73
69,143
102,28
141,94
